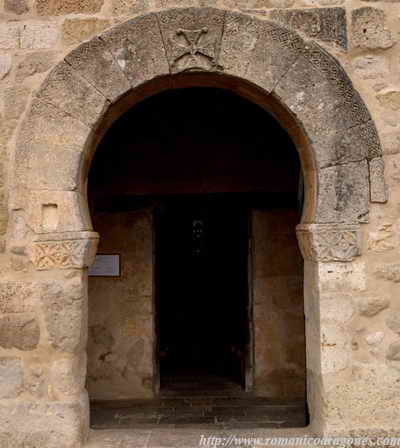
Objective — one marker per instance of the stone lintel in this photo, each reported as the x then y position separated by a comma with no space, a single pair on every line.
329,242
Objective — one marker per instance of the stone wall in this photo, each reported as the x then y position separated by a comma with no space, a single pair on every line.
121,320
278,306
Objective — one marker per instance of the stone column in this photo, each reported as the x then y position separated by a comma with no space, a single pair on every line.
330,276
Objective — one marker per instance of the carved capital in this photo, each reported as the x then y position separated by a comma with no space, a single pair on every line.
64,251
329,242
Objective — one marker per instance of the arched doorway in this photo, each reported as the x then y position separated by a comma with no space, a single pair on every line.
201,206
298,81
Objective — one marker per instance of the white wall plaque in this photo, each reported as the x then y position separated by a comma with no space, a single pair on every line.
106,265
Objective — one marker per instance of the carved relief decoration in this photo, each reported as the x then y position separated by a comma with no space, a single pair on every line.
63,254
193,50
326,242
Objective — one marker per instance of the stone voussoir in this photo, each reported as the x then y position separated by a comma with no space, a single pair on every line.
93,61
73,94
138,49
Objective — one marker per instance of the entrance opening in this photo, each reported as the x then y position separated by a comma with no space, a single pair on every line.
202,293
197,192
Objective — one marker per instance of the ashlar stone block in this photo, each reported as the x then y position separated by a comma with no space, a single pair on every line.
192,38
11,377
343,193
16,297
318,91
379,190
49,151
94,62
326,24
64,308
369,29
20,331
59,7
73,94
138,48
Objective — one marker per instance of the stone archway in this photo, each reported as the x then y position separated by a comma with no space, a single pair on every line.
302,85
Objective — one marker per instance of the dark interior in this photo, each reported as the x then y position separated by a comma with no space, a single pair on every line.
202,159
192,141
202,290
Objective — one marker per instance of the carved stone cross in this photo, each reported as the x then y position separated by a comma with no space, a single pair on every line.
193,52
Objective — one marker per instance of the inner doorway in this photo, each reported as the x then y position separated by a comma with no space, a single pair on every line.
179,187
202,294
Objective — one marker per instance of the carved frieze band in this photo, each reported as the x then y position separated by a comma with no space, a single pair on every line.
329,242
65,253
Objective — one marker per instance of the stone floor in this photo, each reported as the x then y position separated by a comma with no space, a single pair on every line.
211,403
193,438
199,412
187,411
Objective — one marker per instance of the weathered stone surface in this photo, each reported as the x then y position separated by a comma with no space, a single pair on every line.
68,376
335,308
60,211
316,72
344,193
125,7
19,331
77,30
45,424
9,35
390,100
383,239
11,377
5,65
102,336
36,378
34,63
39,35
74,95
192,38
393,321
375,338
67,252
368,29
335,348
58,7
393,353
64,308
15,297
389,272
370,306
138,48
371,67
378,187
15,99
328,24
342,277
318,91
358,143
50,148
16,6
369,392
329,242
267,3
94,62
164,4
262,50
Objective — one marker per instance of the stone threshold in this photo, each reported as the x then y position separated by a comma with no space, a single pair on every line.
189,437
